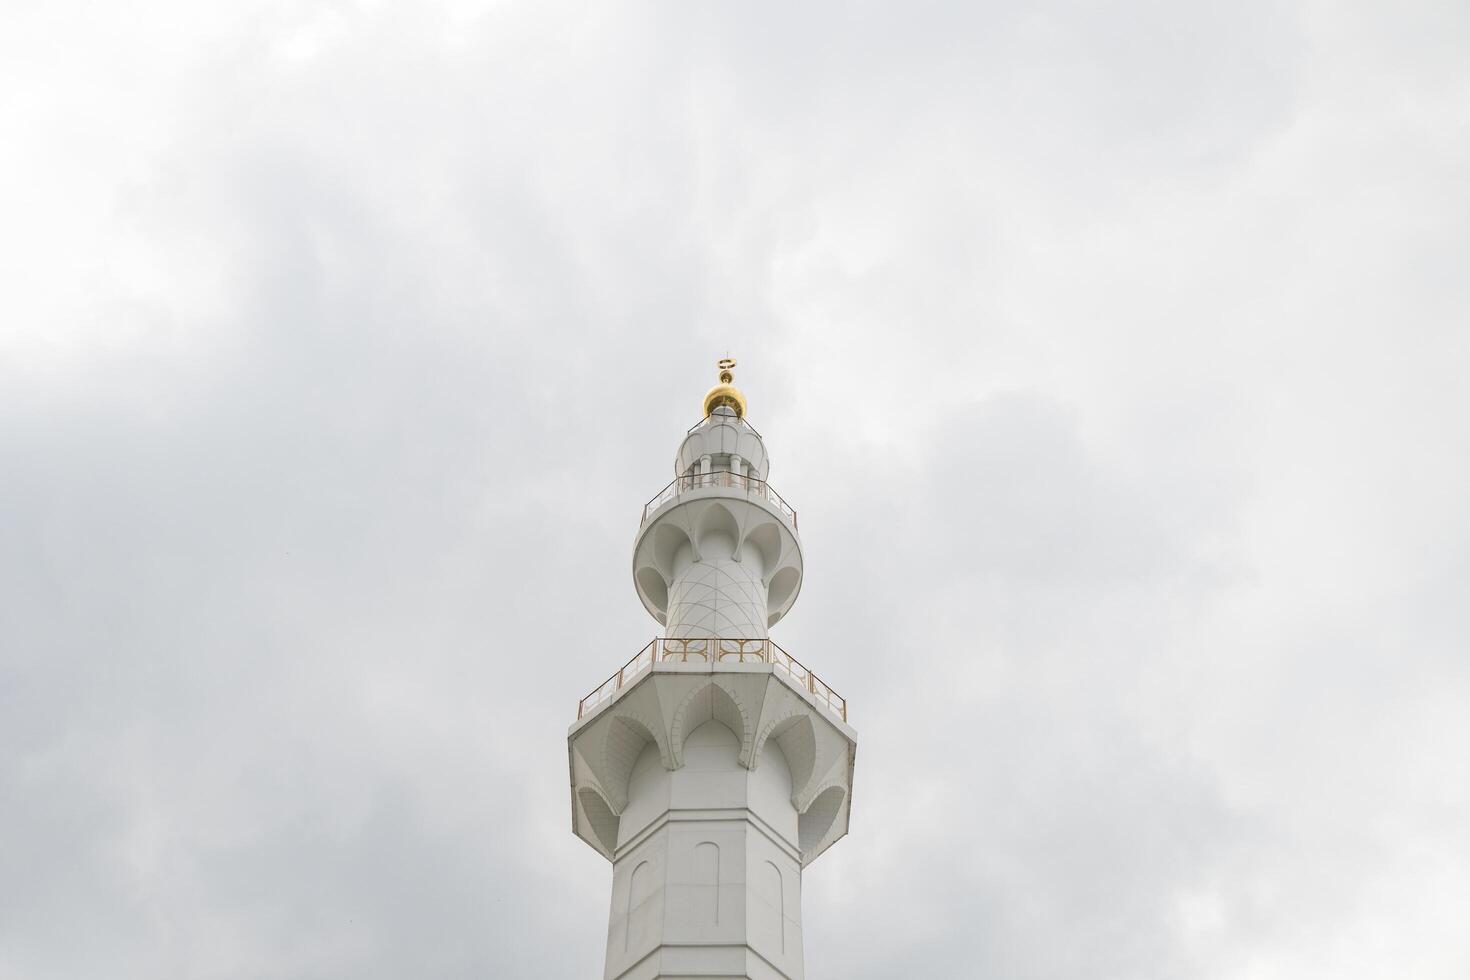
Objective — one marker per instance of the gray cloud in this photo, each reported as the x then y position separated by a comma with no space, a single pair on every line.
1113,358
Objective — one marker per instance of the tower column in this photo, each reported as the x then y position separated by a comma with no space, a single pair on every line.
714,766
707,880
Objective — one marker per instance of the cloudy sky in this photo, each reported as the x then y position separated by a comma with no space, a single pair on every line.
1113,354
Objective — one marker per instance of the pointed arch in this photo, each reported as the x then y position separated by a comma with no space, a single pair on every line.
797,738
600,818
655,589
668,540
627,736
765,539
718,533
711,701
781,592
813,826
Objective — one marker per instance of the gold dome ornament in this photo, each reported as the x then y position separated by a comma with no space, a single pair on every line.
725,394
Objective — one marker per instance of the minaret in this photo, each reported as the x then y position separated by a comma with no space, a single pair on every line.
714,766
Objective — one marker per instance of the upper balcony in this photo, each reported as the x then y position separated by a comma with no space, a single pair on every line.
746,486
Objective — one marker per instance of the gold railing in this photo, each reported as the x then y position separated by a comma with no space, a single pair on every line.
754,490
715,650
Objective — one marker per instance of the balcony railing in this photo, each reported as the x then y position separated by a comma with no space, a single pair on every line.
712,650
754,490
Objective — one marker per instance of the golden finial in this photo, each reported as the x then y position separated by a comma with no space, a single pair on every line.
725,393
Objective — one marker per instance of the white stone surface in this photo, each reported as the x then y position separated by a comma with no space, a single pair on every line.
714,560
711,785
735,756
712,883
721,435
719,597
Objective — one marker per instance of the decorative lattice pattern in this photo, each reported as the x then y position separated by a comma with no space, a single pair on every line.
717,597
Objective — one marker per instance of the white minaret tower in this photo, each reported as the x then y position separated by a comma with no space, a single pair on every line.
713,767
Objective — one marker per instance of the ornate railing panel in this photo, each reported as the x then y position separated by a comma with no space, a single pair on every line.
717,650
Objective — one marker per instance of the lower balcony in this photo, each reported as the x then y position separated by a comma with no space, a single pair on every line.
715,650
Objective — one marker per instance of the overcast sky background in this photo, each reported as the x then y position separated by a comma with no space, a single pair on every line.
1114,356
